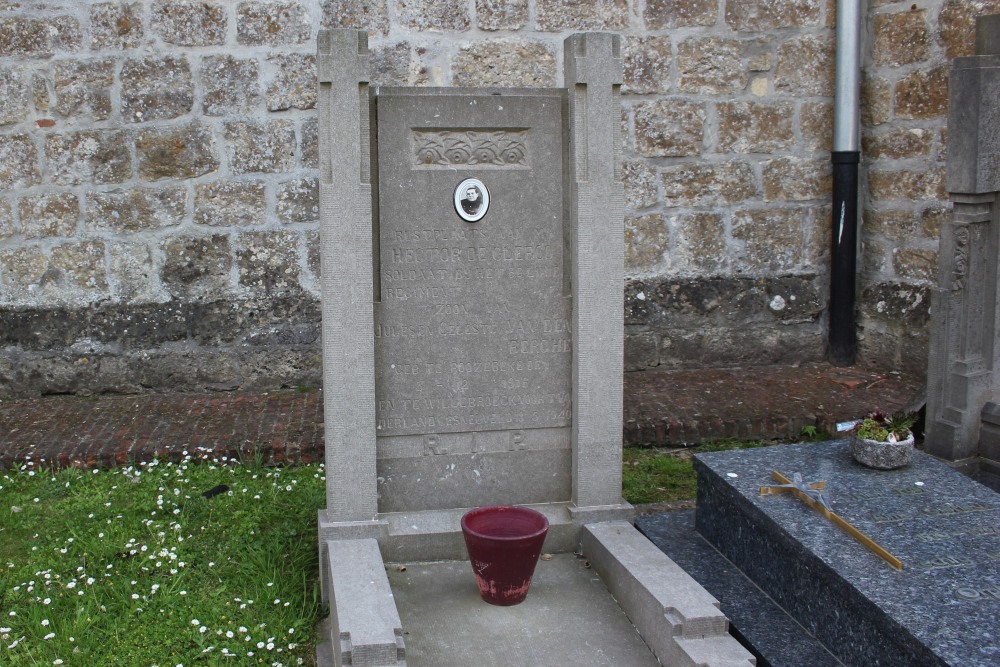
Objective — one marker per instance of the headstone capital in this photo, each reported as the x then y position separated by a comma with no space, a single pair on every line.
342,55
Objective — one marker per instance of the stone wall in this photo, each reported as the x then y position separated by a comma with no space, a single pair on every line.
158,203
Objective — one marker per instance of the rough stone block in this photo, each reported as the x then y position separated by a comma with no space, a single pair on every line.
923,94
900,38
957,21
897,143
640,185
504,62
39,38
897,303
229,203
49,215
642,351
702,242
309,143
116,25
391,65
669,128
915,264
155,88
906,184
78,271
711,65
555,15
816,125
269,261
451,15
298,200
704,184
646,242
189,22
230,84
894,224
133,274
83,88
647,62
806,66
135,209
771,14
197,266
661,14
14,88
370,15
19,158
89,156
773,239
7,226
260,146
40,93
876,99
501,14
272,23
755,127
796,179
184,151
294,84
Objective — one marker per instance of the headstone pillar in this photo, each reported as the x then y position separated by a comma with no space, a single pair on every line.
963,366
593,76
347,276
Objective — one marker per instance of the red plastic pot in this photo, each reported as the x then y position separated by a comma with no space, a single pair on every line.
504,544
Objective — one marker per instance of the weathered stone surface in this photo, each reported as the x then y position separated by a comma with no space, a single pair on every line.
75,273
894,224
876,99
7,226
18,161
640,184
14,100
819,235
897,303
504,62
135,209
309,148
646,242
554,15
90,156
742,346
272,23
39,38
771,14
711,65
958,24
40,93
156,88
230,84
932,218
21,270
313,257
915,264
806,66
265,147
708,184
434,14
501,14
900,38
669,128
875,258
647,64
116,25
796,179
294,84
269,261
197,266
49,215
660,14
816,125
390,64
907,184
83,88
229,203
755,127
923,94
897,143
189,22
298,200
773,239
371,15
702,243
642,350
184,151
133,276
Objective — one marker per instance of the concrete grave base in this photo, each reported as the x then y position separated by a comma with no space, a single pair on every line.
618,601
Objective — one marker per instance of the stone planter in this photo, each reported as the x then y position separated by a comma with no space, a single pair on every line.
882,455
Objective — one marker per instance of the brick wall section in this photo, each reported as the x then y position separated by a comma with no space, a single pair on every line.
158,203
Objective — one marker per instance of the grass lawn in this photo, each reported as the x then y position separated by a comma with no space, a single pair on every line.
195,563
136,567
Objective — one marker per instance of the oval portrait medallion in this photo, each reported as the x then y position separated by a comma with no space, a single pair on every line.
472,199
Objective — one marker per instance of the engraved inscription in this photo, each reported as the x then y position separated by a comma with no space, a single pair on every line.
468,147
974,593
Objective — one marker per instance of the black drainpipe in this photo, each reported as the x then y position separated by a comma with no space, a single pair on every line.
842,339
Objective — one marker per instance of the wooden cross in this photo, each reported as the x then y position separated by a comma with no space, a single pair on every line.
812,493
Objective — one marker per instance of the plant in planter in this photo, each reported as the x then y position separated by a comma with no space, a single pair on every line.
883,441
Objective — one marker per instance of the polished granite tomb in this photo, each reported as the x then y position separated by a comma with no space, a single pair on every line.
942,608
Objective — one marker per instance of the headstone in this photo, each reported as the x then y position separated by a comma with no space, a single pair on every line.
962,369
943,608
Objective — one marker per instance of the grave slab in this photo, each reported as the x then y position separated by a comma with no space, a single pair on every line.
943,608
